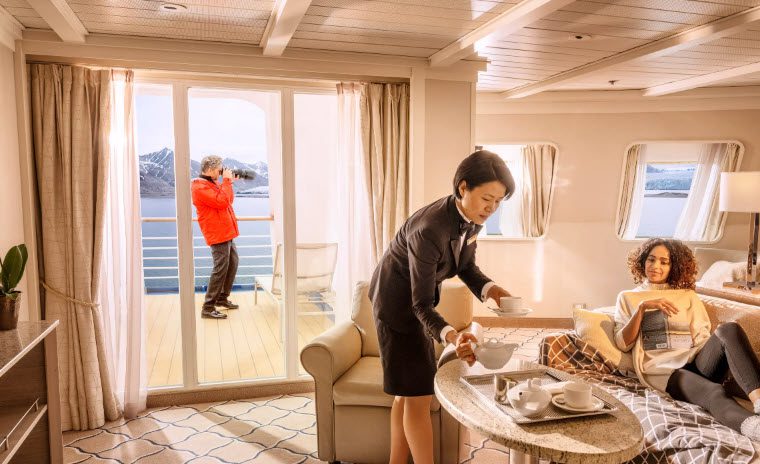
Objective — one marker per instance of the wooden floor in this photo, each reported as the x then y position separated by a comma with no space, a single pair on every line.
246,345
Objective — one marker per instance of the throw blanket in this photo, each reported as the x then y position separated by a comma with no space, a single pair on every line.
674,431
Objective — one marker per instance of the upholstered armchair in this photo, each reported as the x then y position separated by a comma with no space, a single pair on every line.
353,412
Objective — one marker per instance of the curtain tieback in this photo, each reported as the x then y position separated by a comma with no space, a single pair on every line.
68,298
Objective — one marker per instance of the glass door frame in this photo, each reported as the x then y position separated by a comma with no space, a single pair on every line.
180,86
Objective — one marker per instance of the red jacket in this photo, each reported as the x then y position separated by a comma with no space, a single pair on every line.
215,214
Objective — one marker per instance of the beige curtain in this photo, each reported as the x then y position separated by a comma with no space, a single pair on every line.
627,197
385,139
701,218
538,173
70,109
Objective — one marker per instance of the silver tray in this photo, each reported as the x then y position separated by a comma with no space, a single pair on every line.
482,385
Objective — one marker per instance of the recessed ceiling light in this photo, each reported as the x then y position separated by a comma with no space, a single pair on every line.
171,7
575,37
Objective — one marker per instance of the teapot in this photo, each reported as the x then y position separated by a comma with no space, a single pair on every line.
529,398
493,354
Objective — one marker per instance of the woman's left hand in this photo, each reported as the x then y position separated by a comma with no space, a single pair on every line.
495,293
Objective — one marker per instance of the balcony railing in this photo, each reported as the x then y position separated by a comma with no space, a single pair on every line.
256,259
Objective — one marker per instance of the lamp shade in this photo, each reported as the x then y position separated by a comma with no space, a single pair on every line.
740,192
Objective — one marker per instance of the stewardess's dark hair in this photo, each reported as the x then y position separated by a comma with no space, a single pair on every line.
482,167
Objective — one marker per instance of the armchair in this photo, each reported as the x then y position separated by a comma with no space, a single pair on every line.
345,364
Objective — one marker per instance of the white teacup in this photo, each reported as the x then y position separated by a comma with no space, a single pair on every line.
511,303
577,395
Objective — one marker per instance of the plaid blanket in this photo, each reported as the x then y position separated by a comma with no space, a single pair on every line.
674,431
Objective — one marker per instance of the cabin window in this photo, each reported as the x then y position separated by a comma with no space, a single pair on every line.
669,189
526,213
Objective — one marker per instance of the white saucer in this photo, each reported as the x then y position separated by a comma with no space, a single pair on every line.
519,313
559,401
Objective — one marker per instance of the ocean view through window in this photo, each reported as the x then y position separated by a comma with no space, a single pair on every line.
666,190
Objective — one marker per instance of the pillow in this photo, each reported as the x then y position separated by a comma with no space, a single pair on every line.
597,329
723,271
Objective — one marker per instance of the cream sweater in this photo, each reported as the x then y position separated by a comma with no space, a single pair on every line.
653,367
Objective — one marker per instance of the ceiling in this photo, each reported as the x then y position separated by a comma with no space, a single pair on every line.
531,45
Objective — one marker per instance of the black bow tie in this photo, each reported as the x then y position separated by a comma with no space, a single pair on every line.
466,227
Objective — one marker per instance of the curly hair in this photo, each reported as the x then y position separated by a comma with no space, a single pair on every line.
683,266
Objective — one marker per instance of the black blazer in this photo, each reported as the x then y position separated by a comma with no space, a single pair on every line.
405,286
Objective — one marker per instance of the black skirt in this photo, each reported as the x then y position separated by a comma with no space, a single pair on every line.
408,360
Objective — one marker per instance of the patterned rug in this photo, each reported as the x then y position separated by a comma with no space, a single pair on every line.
274,430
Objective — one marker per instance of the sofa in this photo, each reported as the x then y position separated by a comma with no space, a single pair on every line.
353,412
673,431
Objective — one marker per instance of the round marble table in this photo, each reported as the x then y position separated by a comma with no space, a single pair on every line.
609,438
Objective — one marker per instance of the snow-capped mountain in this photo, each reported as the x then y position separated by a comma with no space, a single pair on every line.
157,174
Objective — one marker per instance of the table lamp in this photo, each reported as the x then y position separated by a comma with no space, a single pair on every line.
740,193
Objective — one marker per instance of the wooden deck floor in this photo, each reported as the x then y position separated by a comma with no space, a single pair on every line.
246,345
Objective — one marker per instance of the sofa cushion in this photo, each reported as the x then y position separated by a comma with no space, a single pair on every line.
747,316
597,329
362,385
361,314
723,271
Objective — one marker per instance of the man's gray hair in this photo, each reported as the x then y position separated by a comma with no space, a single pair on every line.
210,162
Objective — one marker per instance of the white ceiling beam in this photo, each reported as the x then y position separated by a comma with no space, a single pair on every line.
508,22
715,30
61,19
701,81
285,18
10,29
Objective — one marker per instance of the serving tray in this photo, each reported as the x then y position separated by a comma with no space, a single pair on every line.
482,386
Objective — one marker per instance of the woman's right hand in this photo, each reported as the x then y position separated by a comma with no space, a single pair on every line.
662,304
464,348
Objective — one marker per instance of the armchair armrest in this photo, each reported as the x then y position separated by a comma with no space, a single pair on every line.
327,358
332,353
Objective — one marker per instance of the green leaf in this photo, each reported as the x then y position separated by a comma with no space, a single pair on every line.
13,267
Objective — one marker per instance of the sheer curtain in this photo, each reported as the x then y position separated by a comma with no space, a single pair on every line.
538,178
355,234
385,141
701,219
631,192
122,287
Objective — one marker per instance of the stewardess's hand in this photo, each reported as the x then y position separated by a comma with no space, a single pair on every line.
495,293
464,348
660,303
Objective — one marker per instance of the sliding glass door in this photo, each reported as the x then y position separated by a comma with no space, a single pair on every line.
289,283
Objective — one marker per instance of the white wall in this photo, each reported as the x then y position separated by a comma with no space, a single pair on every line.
581,260
11,216
448,123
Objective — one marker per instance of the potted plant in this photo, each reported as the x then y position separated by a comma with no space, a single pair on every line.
11,271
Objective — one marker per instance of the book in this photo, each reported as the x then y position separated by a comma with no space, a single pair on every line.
658,332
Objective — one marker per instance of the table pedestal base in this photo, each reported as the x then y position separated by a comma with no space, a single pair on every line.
518,457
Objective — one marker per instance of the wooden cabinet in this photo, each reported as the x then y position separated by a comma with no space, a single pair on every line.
30,408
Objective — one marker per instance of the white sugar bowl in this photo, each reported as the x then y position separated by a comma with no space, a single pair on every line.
529,398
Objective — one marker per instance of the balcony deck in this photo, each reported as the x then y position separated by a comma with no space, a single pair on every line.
246,345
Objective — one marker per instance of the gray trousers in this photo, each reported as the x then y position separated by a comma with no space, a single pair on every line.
225,268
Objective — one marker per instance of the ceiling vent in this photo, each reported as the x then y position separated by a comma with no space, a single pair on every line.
172,7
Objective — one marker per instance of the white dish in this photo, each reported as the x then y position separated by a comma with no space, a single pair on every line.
559,401
519,313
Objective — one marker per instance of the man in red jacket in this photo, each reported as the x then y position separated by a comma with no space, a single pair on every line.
218,223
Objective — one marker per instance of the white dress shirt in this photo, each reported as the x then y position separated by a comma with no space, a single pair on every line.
483,291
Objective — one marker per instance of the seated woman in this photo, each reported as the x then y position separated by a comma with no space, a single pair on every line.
693,371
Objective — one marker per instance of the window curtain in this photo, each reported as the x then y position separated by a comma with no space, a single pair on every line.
122,285
631,192
356,264
384,113
71,121
538,178
701,219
